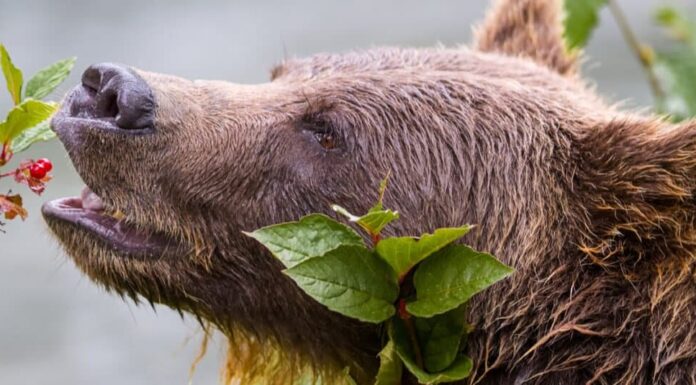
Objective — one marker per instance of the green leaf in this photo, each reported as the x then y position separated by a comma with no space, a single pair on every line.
403,253
440,338
25,116
376,218
390,366
676,69
312,236
677,75
451,277
373,222
678,26
382,188
458,370
350,280
39,133
46,80
13,76
580,20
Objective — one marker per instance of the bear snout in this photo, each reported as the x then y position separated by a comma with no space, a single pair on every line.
110,97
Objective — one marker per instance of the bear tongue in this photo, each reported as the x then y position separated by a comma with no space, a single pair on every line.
91,201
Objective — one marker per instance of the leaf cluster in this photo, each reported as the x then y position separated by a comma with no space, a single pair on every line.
27,123
672,71
417,286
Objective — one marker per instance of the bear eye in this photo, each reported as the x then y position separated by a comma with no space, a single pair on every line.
324,129
326,139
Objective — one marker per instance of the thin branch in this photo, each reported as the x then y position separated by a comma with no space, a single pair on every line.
641,51
411,330
6,154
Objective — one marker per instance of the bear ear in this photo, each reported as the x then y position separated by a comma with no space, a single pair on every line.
527,28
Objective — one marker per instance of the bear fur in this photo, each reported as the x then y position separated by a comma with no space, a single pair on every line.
592,206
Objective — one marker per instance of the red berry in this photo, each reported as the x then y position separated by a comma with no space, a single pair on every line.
37,170
46,164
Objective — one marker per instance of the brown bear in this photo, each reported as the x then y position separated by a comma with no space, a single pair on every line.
592,206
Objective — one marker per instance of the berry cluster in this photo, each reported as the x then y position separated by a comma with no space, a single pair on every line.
40,168
34,174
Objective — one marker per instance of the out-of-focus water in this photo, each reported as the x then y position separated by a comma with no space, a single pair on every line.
56,327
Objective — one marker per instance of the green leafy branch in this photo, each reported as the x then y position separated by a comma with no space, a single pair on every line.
670,73
27,123
417,287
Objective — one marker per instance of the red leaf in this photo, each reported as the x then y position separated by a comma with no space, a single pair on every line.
11,206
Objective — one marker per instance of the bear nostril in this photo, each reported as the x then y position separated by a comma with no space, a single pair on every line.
107,104
117,94
91,78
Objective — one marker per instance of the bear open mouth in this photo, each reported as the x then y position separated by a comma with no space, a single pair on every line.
87,212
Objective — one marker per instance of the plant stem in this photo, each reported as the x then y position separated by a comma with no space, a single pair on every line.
11,173
5,154
411,329
639,49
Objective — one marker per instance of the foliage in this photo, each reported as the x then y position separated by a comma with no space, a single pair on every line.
27,123
417,286
672,72
676,68
582,16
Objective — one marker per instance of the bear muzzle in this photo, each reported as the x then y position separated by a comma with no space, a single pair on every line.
110,98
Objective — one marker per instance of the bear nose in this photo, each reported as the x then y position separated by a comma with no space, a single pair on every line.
116,92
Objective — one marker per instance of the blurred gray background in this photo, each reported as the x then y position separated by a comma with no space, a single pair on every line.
56,327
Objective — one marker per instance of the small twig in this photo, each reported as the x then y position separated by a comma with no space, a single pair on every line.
6,154
14,172
411,330
639,49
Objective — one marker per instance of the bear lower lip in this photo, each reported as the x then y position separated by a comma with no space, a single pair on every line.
86,213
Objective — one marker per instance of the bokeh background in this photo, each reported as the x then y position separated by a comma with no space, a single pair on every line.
56,327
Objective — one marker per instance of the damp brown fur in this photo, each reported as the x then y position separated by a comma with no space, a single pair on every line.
593,207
